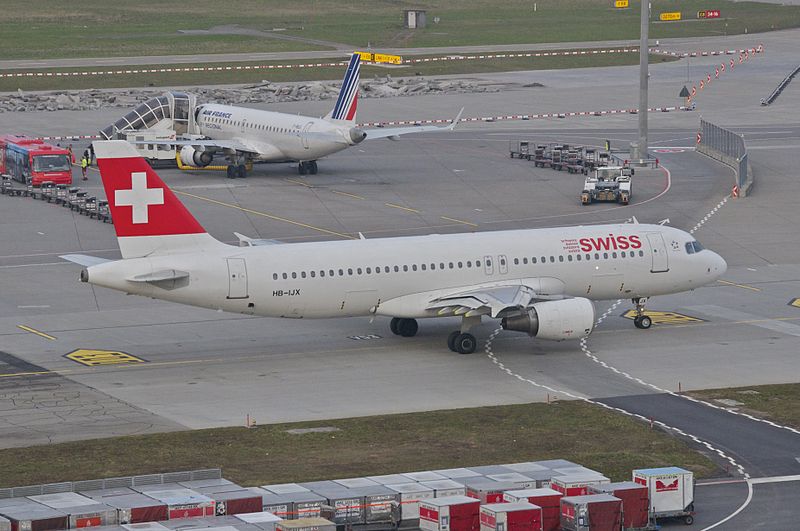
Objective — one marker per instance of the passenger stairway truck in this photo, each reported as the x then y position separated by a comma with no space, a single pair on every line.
610,183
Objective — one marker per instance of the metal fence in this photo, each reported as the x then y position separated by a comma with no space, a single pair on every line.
127,481
730,149
777,92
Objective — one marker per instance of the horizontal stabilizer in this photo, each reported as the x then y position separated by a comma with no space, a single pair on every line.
84,259
246,241
160,276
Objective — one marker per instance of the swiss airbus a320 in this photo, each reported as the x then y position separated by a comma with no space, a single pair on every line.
541,281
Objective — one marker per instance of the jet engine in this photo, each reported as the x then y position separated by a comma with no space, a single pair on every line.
357,135
555,320
192,157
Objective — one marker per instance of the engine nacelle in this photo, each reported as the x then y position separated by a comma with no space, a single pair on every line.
192,157
555,320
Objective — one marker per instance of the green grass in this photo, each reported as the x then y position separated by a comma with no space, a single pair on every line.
304,74
586,434
780,403
98,28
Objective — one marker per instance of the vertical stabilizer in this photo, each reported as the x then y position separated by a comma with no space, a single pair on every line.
347,102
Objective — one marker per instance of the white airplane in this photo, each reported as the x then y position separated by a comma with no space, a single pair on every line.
538,281
246,135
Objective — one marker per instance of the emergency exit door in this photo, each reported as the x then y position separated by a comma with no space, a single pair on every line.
658,252
237,278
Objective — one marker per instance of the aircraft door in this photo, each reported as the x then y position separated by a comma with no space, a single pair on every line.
488,267
658,252
304,136
502,264
237,278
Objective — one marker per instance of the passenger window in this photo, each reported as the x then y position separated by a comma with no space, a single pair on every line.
552,259
597,256
284,276
588,256
502,261
386,269
396,269
613,255
469,263
641,253
569,258
460,265
441,265
358,270
414,267
294,275
341,272
544,259
274,276
322,272
330,272
605,255
578,257
561,258
349,270
622,254
405,268
424,267
303,274
451,265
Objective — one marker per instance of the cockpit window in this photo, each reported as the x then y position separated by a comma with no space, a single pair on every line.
693,247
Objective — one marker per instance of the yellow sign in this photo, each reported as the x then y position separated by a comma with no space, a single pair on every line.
380,58
676,15
621,3
795,303
93,358
664,317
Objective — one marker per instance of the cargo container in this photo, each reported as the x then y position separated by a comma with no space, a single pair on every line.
27,515
485,470
82,510
285,488
635,502
230,502
595,512
555,463
520,480
5,524
411,494
298,504
348,504
423,476
577,484
457,473
523,468
355,483
454,513
445,487
218,483
306,524
132,507
487,490
263,520
381,504
181,502
519,516
548,499
671,491
146,526
389,479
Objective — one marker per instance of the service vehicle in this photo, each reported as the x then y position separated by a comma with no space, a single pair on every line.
32,161
610,183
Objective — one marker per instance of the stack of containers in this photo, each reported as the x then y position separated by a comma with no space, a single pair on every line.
487,490
519,516
27,515
82,511
263,520
229,498
180,501
411,495
635,502
5,524
548,499
132,507
453,513
577,484
381,505
290,500
348,506
595,512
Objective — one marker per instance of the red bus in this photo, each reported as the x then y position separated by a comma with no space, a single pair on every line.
32,161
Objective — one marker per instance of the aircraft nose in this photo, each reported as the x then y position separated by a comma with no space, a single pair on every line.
717,265
357,135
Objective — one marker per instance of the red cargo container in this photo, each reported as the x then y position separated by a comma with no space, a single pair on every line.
519,516
635,502
577,484
548,499
452,513
132,507
595,512
487,490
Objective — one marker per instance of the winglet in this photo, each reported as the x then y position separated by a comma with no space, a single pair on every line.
456,120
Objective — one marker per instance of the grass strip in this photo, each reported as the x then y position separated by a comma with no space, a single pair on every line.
583,433
779,403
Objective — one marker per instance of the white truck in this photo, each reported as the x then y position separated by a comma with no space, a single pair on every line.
671,492
609,183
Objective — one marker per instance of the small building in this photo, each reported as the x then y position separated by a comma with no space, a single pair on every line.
414,18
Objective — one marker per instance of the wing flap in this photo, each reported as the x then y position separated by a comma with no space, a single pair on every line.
490,300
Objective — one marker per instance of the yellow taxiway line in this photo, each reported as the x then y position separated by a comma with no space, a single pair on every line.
37,332
459,221
743,286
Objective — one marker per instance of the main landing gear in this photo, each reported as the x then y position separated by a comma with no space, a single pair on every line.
460,341
237,170
309,167
641,320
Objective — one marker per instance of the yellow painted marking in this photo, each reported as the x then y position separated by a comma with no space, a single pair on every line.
354,196
402,207
459,221
664,317
301,183
38,333
621,3
34,373
795,303
93,358
264,214
743,286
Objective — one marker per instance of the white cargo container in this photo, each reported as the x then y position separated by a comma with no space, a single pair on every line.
410,496
263,520
5,524
445,487
671,490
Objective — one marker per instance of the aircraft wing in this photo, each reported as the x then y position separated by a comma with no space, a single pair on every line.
395,132
495,301
234,145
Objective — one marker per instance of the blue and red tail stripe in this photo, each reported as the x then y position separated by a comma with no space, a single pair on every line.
347,102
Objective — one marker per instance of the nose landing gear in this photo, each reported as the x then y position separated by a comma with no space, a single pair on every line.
641,320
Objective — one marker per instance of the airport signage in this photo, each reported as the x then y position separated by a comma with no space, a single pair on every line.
619,4
380,58
675,15
708,13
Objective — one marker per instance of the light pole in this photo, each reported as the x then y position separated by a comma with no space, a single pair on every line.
640,150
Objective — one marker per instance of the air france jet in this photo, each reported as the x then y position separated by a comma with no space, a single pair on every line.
540,281
245,135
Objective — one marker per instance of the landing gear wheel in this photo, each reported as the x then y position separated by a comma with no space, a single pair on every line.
393,326
451,340
231,171
465,343
688,519
643,321
407,327
312,167
301,168
241,171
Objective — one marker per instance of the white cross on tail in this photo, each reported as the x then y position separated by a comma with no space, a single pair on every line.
139,197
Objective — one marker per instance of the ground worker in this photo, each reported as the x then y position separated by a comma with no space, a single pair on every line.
88,156
84,164
71,154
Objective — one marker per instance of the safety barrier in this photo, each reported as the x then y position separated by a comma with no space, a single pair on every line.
777,92
111,483
730,149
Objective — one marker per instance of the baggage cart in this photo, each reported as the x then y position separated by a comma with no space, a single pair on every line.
519,149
